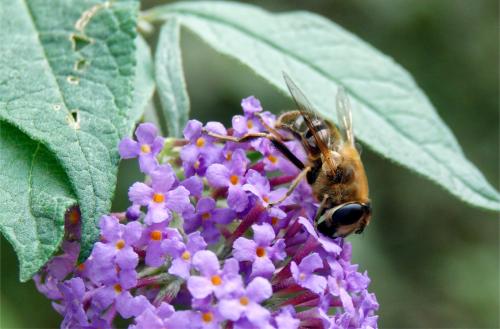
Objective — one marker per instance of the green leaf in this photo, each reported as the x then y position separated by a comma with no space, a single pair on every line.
66,80
144,85
170,78
391,114
35,195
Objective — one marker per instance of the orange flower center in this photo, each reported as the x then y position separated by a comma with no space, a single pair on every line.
120,244
196,165
229,155
302,276
216,280
244,301
186,255
266,199
117,288
200,142
158,197
234,179
272,158
206,216
81,266
156,235
207,317
145,148
260,251
74,216
274,220
249,124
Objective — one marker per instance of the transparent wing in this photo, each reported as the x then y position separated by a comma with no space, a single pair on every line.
311,120
344,115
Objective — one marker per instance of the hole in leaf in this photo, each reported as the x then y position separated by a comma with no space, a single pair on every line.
74,119
81,64
79,41
74,114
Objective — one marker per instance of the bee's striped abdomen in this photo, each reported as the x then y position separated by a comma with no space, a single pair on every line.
320,132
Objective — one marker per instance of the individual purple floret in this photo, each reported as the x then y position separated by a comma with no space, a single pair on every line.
165,316
232,178
244,303
261,251
126,304
114,260
154,239
286,319
147,147
162,197
259,186
207,217
251,121
213,279
304,275
182,253
209,241
206,316
201,151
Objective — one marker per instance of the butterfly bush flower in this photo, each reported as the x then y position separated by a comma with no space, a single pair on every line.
303,273
147,147
208,217
259,251
182,254
210,241
162,197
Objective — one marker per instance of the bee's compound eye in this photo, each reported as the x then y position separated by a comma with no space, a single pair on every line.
326,228
348,214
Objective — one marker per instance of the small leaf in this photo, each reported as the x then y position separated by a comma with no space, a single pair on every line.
66,80
391,113
144,85
170,78
34,194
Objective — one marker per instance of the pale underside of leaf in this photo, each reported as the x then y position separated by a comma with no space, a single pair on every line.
170,78
35,194
391,114
66,78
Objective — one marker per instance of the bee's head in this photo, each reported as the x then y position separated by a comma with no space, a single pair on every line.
345,219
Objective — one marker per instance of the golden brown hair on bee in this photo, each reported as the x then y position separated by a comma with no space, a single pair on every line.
349,208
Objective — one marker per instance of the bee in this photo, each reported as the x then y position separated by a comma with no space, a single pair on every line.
333,169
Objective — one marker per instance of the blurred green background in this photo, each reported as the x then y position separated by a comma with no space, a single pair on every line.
433,261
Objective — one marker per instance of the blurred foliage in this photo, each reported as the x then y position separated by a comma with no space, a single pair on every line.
433,261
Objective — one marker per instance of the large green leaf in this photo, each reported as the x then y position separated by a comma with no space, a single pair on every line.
66,80
170,78
34,194
391,114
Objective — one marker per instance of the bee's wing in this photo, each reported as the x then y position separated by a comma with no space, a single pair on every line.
311,120
344,115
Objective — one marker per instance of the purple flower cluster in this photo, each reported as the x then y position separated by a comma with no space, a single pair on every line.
203,246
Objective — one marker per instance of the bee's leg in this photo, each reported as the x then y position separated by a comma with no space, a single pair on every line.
242,139
292,187
279,145
321,208
272,130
